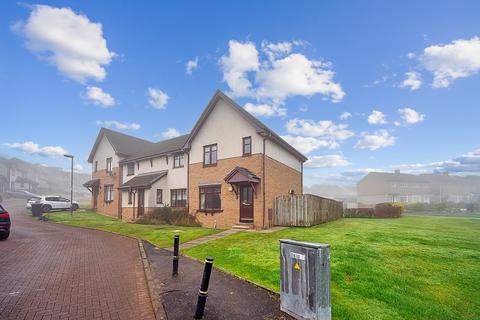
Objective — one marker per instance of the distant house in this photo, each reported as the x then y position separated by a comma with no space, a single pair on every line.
377,187
226,172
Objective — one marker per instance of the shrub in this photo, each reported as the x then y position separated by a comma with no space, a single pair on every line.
388,210
358,213
168,215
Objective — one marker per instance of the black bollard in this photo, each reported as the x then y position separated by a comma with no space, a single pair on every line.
176,244
203,292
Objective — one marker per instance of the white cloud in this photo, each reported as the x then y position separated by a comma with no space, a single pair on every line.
283,74
33,148
376,140
274,50
308,144
345,115
413,81
78,168
297,75
265,110
411,116
458,59
158,98
241,58
119,125
170,133
466,163
69,41
99,97
324,129
377,117
328,161
191,65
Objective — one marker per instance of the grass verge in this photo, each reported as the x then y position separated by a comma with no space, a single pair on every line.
415,267
160,235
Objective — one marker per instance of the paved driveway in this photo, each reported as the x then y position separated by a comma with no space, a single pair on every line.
50,271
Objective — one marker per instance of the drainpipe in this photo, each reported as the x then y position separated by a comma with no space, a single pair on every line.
265,136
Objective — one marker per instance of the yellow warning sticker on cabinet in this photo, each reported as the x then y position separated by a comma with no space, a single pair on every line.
296,266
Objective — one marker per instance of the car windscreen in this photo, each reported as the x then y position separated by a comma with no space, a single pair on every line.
2,210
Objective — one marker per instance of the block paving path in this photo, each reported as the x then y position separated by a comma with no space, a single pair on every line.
50,271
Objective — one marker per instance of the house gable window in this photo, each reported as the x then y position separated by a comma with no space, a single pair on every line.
210,200
178,160
159,196
95,168
130,169
109,165
210,155
108,193
178,198
247,146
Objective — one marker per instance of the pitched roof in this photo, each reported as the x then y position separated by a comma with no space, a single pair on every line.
240,174
91,183
159,148
123,144
144,180
259,126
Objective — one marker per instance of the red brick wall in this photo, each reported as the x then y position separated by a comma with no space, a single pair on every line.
108,208
279,179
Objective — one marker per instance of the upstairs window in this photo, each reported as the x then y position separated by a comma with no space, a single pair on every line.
210,155
210,198
95,167
108,192
130,169
109,165
178,198
247,146
178,160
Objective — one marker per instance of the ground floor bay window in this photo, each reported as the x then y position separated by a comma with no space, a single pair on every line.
210,200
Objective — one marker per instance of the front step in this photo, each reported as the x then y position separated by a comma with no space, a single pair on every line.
243,226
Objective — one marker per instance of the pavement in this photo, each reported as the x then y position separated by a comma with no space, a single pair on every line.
228,297
53,271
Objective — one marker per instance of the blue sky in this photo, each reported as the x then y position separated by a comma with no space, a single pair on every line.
68,67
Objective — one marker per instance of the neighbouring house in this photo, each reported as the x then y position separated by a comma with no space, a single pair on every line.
226,172
378,187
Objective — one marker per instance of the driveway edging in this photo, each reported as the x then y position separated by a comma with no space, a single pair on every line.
155,298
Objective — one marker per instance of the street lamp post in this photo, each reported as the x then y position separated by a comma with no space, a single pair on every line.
71,182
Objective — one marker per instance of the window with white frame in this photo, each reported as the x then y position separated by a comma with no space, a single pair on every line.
178,160
108,192
109,165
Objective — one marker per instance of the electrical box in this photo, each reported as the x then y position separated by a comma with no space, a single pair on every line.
305,280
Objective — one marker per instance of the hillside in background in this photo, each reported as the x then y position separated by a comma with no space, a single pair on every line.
49,180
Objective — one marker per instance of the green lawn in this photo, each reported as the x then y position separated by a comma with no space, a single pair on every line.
160,235
415,267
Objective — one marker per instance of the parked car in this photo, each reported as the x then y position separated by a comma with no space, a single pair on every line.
50,203
19,194
5,223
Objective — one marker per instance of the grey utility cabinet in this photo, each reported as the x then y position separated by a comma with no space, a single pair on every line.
305,280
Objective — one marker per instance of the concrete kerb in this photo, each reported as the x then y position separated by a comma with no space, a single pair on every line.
155,297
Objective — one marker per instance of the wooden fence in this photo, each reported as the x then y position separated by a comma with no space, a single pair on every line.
305,210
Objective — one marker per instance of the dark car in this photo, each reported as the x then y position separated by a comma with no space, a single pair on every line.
4,223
